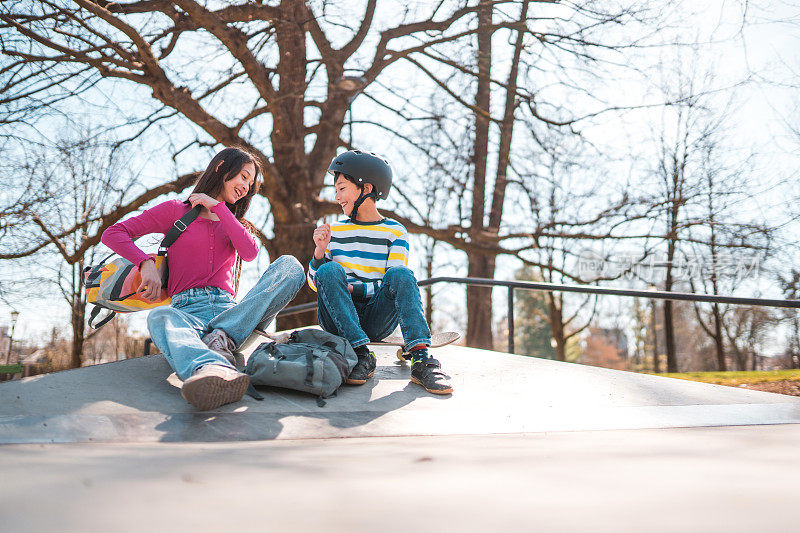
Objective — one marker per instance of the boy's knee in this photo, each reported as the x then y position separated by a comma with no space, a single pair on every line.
328,272
400,274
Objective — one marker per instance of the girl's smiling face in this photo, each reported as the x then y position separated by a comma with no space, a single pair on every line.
347,193
238,186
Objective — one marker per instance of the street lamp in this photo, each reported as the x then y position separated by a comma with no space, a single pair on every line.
353,85
14,317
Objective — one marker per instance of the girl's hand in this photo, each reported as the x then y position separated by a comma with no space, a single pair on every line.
151,281
322,237
202,199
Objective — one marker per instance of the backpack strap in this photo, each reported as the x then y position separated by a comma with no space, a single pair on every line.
310,367
96,311
178,227
310,354
251,391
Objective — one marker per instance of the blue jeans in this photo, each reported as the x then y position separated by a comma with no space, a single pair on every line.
397,300
177,329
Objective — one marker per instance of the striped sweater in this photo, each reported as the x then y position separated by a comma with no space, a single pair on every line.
365,250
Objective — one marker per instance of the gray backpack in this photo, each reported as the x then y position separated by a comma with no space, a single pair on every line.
312,361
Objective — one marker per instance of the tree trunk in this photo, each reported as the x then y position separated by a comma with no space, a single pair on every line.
429,289
295,220
295,239
479,304
654,327
479,322
78,318
669,327
718,341
479,299
669,337
556,311
78,332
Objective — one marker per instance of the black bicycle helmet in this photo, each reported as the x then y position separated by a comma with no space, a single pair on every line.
365,167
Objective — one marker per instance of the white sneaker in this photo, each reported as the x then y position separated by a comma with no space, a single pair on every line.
219,341
214,385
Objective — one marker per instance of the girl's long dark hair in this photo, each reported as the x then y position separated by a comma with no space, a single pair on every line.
226,165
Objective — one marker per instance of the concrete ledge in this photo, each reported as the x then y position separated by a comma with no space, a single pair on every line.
495,393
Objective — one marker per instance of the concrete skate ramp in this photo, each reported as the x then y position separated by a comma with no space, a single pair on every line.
132,401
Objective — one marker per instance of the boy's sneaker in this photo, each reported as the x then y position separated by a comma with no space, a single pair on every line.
219,341
214,385
428,373
363,370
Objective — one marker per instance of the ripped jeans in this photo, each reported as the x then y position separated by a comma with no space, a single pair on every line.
177,329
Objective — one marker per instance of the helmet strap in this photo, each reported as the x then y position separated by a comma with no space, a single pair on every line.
359,201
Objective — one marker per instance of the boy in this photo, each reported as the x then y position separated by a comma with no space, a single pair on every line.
359,271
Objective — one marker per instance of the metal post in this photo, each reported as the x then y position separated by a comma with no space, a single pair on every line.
511,320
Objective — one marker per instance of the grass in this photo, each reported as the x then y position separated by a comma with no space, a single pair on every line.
739,377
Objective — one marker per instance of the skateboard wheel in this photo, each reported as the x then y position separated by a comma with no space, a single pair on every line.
401,354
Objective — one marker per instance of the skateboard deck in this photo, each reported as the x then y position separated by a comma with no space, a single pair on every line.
437,340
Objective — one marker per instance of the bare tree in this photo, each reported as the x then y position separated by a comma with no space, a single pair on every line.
566,39
64,188
700,184
725,246
274,79
790,285
745,331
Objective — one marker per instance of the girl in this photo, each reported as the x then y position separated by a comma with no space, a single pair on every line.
202,327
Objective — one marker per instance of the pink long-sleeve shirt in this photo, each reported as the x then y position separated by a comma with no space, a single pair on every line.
203,256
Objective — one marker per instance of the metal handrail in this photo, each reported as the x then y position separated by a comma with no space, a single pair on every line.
556,287
585,289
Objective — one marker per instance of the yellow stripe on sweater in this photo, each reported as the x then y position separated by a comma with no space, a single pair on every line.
362,268
354,227
398,257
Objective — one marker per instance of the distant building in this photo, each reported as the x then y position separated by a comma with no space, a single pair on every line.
605,347
35,358
614,336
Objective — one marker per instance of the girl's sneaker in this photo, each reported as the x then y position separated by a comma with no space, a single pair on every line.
219,341
214,385
428,373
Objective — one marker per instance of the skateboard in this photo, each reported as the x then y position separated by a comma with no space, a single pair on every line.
437,340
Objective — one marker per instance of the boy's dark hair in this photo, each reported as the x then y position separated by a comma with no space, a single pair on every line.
349,178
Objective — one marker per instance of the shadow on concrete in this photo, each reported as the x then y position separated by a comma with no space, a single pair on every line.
131,401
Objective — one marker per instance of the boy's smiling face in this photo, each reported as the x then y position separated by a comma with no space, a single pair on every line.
347,193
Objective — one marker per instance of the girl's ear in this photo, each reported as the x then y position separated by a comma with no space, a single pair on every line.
367,188
220,164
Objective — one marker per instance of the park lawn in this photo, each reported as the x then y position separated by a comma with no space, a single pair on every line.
738,377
